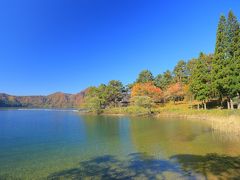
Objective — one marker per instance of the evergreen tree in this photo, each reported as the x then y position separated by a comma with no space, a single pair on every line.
231,70
219,61
237,68
232,35
145,76
180,71
114,92
234,47
190,66
163,81
200,84
158,80
220,47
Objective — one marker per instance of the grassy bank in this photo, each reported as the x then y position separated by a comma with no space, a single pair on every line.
130,110
170,109
184,109
227,121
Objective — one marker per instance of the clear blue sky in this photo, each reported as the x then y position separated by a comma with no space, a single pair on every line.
68,45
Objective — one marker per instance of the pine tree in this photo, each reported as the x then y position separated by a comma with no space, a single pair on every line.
163,81
219,61
200,84
145,76
237,67
230,80
158,81
232,34
225,72
180,71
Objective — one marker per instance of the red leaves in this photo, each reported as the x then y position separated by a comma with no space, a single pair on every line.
146,89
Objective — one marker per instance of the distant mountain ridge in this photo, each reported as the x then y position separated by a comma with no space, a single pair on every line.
56,100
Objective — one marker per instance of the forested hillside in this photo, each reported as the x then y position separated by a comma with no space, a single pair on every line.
56,100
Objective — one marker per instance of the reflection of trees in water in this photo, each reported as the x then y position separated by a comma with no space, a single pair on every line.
101,126
166,136
107,134
138,166
170,137
211,165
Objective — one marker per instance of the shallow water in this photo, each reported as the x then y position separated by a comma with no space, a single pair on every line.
39,144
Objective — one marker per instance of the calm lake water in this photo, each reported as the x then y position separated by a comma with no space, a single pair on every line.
38,144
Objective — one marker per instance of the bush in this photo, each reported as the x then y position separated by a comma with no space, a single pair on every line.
143,101
132,110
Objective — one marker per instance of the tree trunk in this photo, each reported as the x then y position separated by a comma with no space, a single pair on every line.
228,104
231,104
221,101
238,101
198,107
222,106
205,105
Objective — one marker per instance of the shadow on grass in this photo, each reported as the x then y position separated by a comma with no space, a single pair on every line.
210,165
140,166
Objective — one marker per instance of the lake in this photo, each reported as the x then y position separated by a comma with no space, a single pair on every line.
52,144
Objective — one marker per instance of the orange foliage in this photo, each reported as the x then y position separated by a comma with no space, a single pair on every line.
146,89
176,89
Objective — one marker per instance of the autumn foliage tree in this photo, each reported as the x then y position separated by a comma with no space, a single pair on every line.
147,89
175,92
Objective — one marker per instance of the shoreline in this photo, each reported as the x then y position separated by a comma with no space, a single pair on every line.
226,121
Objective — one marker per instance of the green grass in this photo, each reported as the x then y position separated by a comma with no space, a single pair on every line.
130,110
179,109
184,109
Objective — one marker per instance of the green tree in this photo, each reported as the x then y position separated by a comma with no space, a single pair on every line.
180,71
163,81
94,104
102,92
200,84
145,76
219,61
158,80
237,69
232,35
92,100
143,101
225,71
115,91
190,66
231,70
103,96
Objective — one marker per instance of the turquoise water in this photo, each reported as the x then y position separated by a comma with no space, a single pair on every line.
40,144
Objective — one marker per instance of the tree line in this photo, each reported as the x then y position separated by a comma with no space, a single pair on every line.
207,79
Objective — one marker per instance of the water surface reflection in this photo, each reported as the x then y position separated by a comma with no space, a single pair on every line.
66,145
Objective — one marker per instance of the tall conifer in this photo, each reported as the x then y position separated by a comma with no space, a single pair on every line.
219,62
230,80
